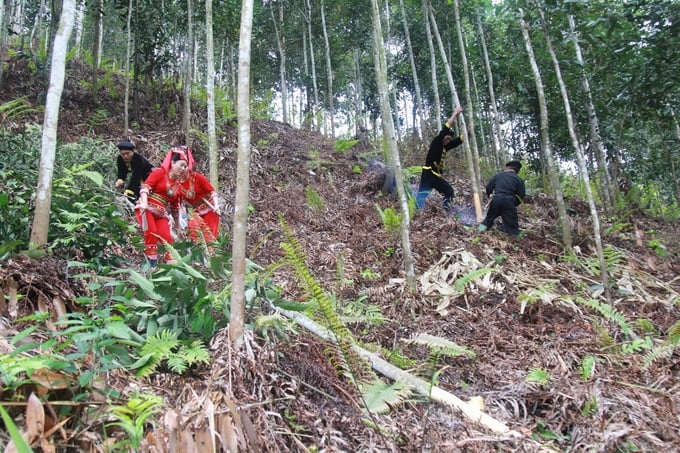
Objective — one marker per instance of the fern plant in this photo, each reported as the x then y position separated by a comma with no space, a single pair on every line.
132,417
391,221
609,313
375,395
665,349
165,346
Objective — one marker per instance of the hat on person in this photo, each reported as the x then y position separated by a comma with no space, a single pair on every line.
126,145
515,165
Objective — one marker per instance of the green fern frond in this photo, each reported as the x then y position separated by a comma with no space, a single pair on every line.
441,345
196,352
609,313
177,363
666,348
460,283
161,344
379,397
344,359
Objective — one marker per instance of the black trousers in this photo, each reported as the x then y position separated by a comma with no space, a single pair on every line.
429,181
505,207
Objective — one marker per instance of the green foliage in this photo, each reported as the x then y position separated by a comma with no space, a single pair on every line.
178,297
343,145
314,200
441,346
665,349
609,313
20,444
341,354
587,367
274,326
391,219
538,375
379,397
165,345
358,311
132,418
17,109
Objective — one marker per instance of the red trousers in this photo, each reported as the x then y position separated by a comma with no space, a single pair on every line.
157,228
204,228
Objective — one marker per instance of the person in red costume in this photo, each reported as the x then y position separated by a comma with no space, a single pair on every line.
159,199
200,195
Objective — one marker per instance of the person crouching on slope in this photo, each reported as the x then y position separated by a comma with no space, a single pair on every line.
507,191
160,198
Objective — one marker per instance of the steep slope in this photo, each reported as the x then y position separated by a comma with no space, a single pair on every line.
531,314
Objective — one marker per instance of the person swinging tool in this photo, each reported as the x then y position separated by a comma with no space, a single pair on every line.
431,176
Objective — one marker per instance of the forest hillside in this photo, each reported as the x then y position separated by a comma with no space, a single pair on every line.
508,344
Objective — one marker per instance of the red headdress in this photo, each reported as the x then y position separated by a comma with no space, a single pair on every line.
184,153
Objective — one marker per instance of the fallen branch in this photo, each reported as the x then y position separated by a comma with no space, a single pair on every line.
420,386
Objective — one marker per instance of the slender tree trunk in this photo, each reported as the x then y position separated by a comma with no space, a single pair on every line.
43,200
476,199
312,60
96,46
188,77
471,138
359,120
329,70
545,138
128,48
80,15
210,88
607,188
240,226
380,63
497,141
3,37
281,45
437,112
597,235
414,74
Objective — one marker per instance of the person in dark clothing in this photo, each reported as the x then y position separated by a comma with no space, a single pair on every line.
431,176
507,191
133,169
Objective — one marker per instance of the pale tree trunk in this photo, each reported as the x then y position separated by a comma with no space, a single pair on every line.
3,36
597,235
210,89
43,200
380,63
545,138
37,26
80,16
96,45
329,70
437,114
471,138
240,226
188,65
359,120
497,141
476,199
281,45
128,51
608,189
414,72
312,59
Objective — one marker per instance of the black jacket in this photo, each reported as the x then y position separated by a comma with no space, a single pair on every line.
507,184
139,169
436,154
